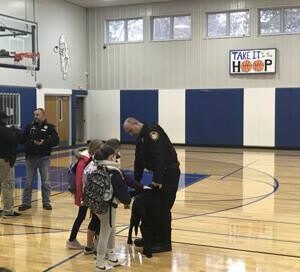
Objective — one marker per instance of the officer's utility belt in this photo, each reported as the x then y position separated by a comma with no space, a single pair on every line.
173,165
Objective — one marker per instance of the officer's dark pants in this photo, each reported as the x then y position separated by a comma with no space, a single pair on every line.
167,199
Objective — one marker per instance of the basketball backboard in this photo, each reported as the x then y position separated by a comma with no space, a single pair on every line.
18,43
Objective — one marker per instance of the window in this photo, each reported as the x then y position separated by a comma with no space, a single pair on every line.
232,24
239,23
216,24
172,28
10,104
127,30
269,21
182,27
162,28
292,20
135,30
279,20
116,31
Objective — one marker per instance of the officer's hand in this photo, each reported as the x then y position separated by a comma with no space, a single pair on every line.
156,185
40,142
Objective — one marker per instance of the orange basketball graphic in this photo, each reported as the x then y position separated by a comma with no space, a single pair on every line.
258,66
246,66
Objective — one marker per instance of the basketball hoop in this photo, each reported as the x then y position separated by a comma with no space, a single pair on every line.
29,59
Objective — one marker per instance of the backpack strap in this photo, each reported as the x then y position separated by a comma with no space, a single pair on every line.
110,215
112,205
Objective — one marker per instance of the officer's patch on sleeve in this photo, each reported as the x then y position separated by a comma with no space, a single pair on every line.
154,135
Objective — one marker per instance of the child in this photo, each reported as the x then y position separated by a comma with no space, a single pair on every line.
130,182
84,158
106,157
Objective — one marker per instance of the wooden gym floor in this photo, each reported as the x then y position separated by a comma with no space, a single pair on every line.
243,217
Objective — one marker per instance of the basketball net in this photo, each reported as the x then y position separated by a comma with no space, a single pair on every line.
29,59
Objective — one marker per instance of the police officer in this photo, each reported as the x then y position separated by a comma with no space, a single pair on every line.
155,152
8,152
39,138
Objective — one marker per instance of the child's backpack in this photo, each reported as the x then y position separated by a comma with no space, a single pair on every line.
98,190
71,177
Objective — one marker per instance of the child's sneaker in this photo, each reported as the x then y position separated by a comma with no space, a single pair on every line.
113,259
88,250
104,266
73,244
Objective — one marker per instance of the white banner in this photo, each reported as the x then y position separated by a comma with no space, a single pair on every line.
252,61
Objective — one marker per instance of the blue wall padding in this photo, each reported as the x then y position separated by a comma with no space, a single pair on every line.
27,101
214,117
141,104
287,117
75,93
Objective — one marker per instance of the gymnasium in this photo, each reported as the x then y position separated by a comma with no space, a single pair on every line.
221,77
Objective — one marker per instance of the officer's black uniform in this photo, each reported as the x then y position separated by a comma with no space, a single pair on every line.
155,152
40,131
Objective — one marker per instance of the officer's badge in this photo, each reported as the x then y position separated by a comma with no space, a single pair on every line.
154,135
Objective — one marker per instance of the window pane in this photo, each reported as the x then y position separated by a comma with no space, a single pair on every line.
182,27
292,20
116,31
239,23
216,25
270,21
161,28
135,30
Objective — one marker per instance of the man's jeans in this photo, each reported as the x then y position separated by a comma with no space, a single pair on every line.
32,164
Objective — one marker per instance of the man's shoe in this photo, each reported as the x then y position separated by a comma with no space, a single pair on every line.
161,248
7,213
24,207
47,207
147,253
139,242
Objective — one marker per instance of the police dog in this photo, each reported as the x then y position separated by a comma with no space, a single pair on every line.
143,212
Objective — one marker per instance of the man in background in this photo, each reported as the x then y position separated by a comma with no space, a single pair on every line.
39,138
8,153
